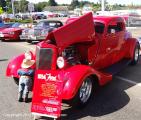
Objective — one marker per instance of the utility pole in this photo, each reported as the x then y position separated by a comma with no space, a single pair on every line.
102,5
13,8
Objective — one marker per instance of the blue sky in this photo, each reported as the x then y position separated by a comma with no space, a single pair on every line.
110,1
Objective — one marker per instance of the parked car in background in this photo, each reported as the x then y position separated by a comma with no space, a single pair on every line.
23,16
51,15
62,15
11,33
40,31
39,16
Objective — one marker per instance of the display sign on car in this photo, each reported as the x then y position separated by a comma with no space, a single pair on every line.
47,96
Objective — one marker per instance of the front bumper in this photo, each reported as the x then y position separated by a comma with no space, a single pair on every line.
32,38
8,37
1,35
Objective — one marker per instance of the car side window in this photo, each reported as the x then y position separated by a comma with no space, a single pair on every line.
40,24
117,28
120,26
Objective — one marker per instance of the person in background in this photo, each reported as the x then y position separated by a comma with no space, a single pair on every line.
127,35
26,74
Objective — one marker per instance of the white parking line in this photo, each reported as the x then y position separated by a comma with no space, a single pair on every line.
131,27
129,81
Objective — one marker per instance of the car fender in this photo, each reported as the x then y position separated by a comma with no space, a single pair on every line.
130,46
75,75
15,64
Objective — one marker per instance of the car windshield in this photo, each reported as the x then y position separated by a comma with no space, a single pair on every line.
40,24
15,25
49,23
8,24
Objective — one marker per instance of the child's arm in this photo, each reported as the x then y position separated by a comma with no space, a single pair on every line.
22,72
30,72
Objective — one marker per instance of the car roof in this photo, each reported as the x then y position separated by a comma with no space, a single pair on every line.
107,19
103,19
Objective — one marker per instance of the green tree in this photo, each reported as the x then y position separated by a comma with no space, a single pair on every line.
3,4
1,10
23,5
82,3
9,6
20,6
74,4
52,3
40,6
97,7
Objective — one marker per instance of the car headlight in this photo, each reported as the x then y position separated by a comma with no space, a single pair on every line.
12,33
60,62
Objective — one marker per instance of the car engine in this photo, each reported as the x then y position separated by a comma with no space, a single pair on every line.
71,55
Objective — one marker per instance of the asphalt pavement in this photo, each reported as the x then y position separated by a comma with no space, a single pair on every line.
118,100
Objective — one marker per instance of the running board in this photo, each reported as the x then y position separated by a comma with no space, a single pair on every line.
117,67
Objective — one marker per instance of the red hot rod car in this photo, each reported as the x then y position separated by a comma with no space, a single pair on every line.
83,53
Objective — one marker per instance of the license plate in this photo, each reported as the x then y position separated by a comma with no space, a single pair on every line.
23,37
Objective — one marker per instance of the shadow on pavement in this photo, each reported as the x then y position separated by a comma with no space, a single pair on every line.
13,41
1,60
105,101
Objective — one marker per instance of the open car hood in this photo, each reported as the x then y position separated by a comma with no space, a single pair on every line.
80,30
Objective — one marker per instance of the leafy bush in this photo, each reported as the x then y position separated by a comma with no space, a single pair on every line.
22,21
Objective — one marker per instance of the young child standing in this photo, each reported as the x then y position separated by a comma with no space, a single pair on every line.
26,74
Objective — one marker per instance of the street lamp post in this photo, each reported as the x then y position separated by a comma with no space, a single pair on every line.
13,8
102,6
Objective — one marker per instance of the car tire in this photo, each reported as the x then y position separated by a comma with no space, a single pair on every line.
136,55
84,94
29,41
3,40
16,80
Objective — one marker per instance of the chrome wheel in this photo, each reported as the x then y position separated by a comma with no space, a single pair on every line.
84,93
136,57
85,90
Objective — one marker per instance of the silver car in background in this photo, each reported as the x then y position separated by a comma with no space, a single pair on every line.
40,31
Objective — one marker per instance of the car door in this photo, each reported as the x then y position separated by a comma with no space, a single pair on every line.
112,40
120,50
109,45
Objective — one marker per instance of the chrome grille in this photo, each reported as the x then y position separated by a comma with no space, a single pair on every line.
44,58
